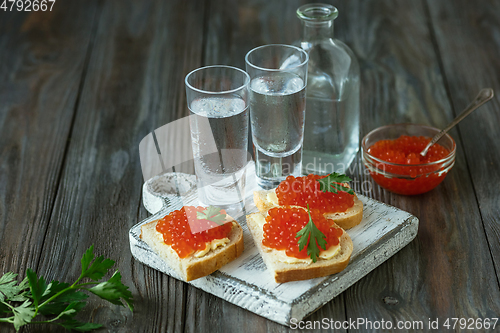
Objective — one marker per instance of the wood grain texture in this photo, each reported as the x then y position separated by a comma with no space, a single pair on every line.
435,275
236,27
72,178
134,84
467,37
42,58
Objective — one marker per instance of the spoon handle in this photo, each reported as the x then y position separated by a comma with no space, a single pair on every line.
484,95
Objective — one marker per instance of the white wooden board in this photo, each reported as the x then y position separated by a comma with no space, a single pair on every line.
246,282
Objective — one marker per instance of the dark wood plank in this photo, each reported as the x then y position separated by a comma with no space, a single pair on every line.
434,275
42,58
234,28
134,84
467,39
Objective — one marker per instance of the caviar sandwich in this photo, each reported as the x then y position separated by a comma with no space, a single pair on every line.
299,229
299,244
195,241
331,195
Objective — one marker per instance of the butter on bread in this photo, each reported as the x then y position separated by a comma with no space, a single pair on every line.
193,267
299,269
265,200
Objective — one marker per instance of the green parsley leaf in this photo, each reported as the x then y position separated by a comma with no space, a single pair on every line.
311,237
52,308
98,268
23,314
87,258
72,296
4,308
73,324
333,183
59,302
66,295
56,307
8,287
54,288
113,290
213,214
24,292
70,310
38,286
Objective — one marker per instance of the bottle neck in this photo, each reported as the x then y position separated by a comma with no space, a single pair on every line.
317,30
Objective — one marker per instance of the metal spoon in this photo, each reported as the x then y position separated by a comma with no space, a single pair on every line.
484,96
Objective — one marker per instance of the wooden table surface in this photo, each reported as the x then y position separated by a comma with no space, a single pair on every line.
82,85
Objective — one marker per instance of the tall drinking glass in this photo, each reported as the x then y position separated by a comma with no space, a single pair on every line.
277,94
217,97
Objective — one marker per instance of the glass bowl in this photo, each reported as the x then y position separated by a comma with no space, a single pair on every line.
407,179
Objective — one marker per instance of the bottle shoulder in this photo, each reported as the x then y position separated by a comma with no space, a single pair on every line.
328,52
333,69
342,47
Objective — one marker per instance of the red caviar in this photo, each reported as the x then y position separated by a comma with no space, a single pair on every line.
406,151
283,223
186,233
300,191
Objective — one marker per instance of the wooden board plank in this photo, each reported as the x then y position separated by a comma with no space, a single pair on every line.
470,62
402,82
42,61
134,85
246,282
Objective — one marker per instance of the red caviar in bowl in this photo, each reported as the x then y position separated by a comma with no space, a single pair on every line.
176,229
300,191
283,223
406,150
420,174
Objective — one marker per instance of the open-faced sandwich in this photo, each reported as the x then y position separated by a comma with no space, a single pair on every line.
195,241
299,244
299,229
331,195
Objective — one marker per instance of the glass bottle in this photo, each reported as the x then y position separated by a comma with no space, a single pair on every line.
331,134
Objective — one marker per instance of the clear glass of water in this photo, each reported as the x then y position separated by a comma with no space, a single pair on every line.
217,97
277,94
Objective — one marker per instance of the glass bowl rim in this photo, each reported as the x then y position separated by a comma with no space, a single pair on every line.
449,157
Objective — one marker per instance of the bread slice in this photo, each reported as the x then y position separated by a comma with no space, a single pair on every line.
192,268
346,220
285,272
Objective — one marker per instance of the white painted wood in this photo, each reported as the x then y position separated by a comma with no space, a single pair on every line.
246,282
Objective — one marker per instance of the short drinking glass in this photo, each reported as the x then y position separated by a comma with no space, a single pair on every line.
277,93
217,99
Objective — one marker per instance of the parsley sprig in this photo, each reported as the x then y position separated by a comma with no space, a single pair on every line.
311,236
213,214
57,302
333,183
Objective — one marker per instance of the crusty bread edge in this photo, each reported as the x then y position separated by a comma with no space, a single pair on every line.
284,272
346,220
260,200
350,218
192,268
